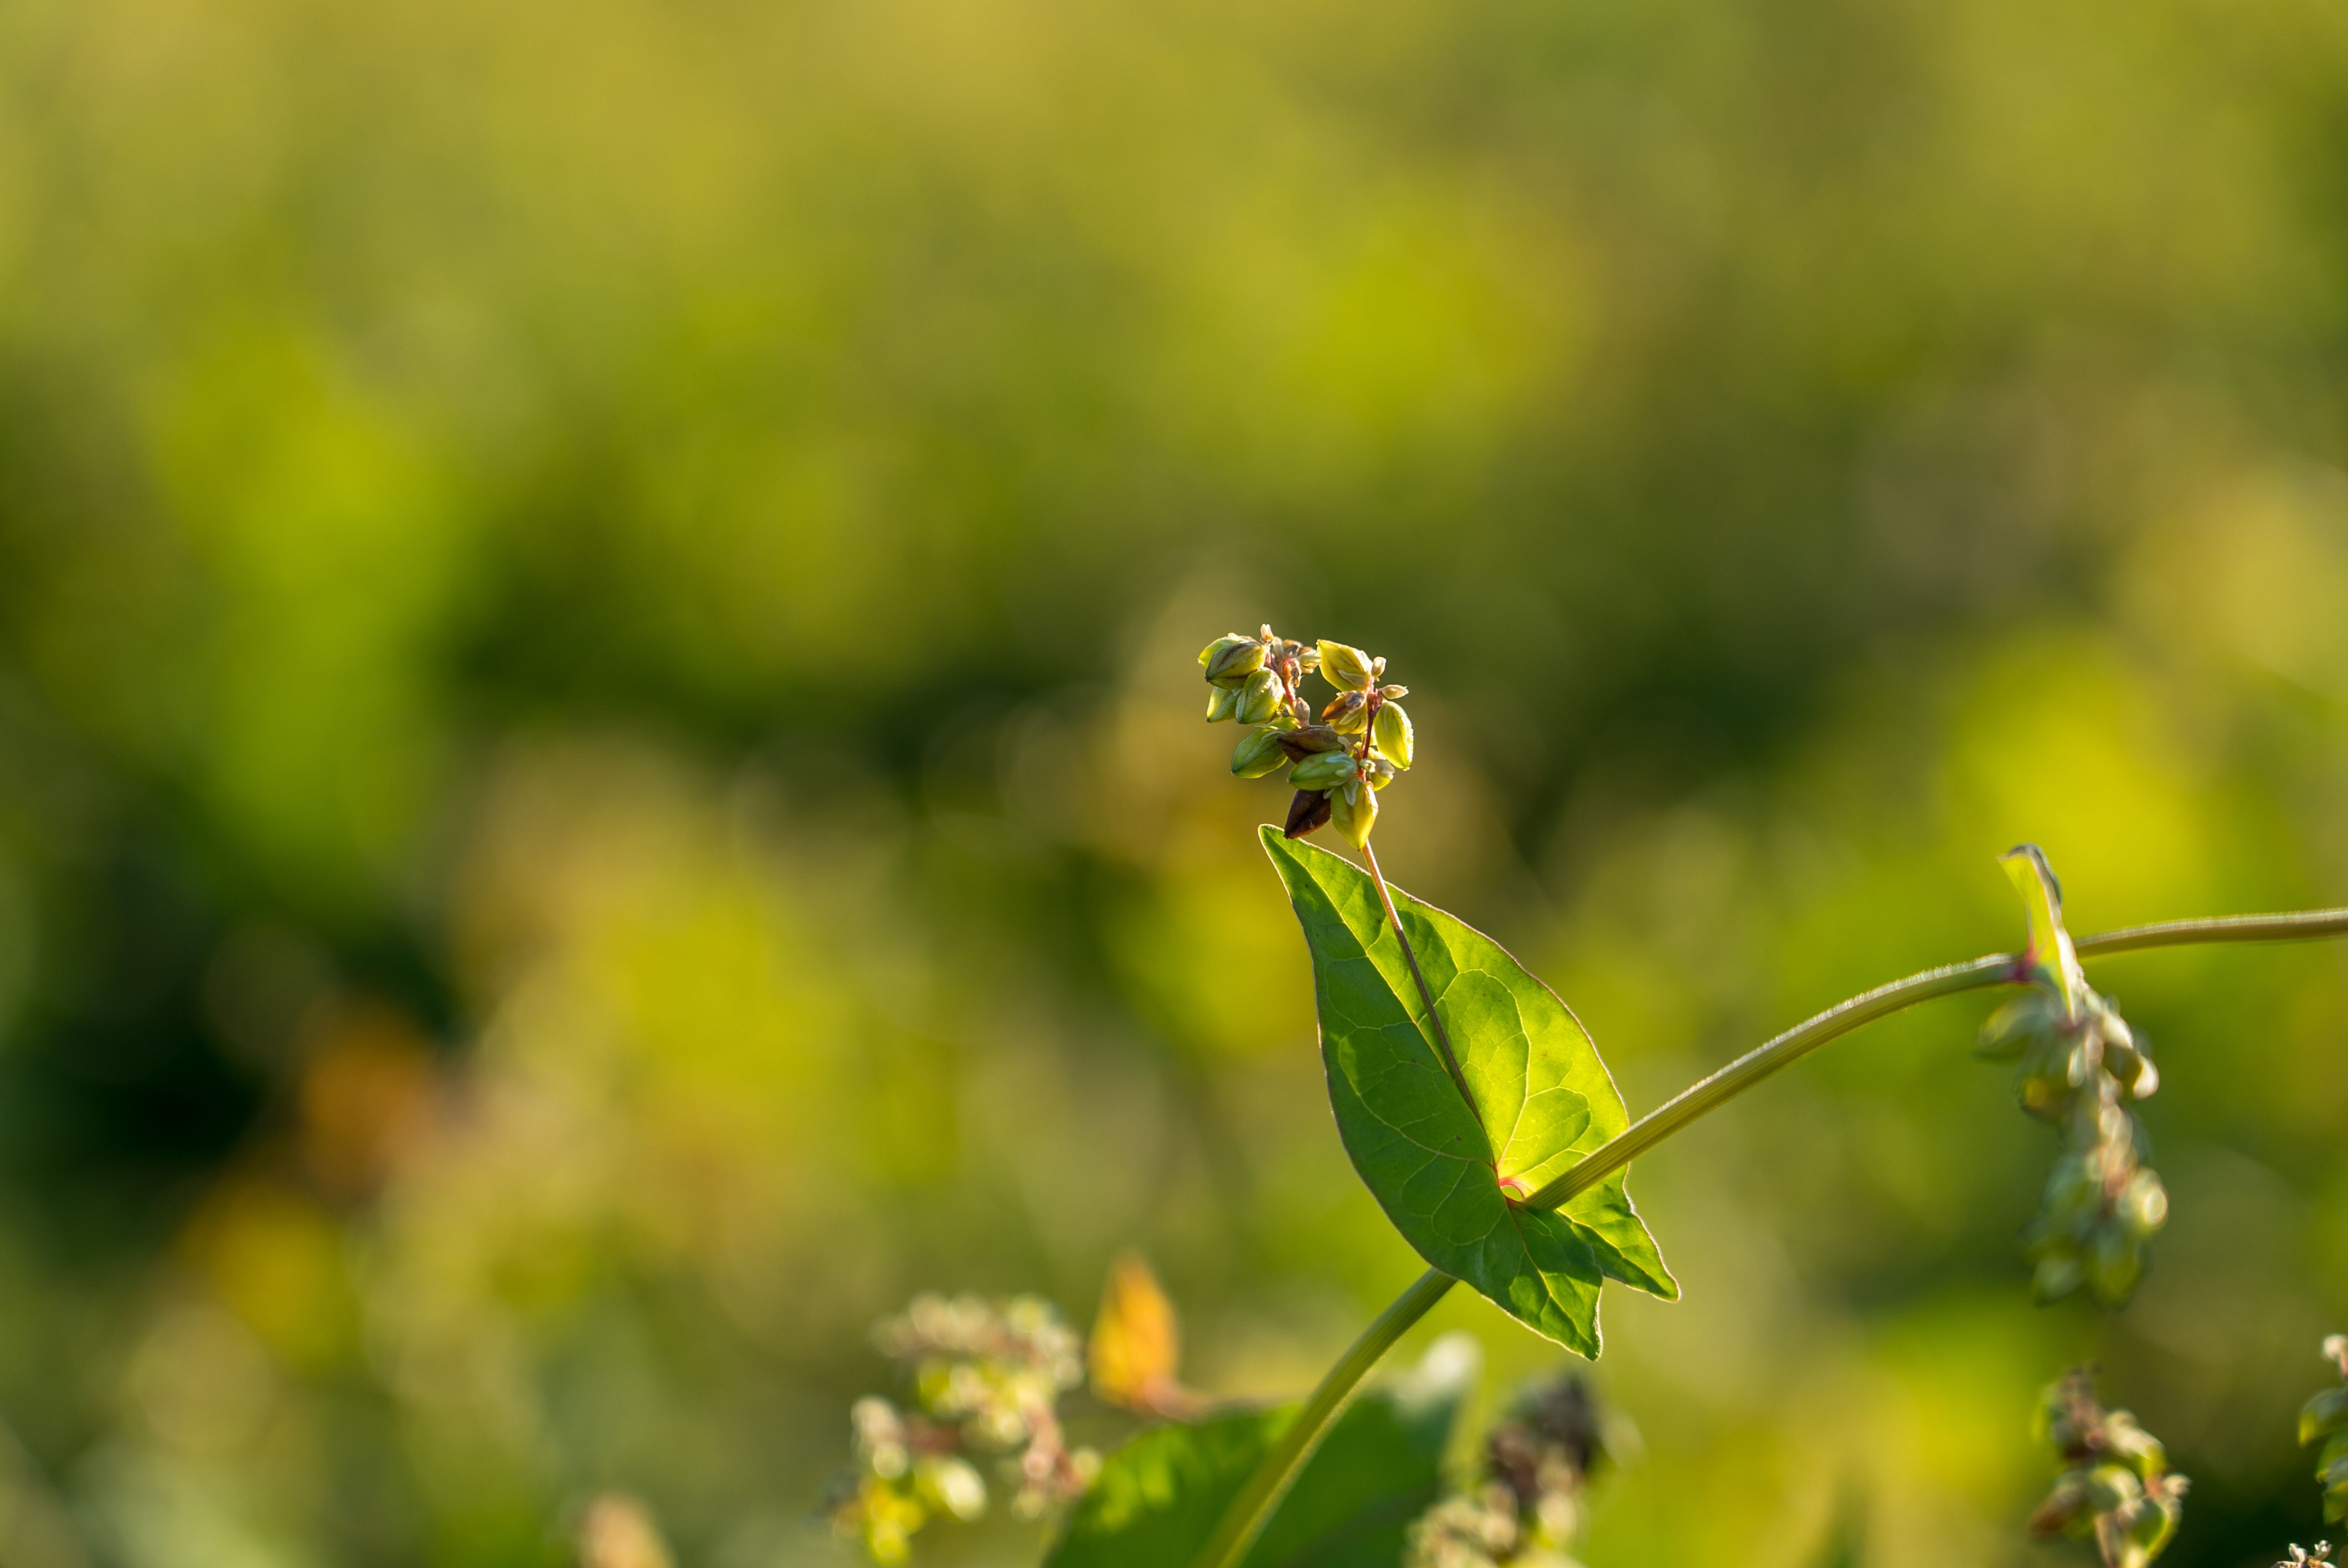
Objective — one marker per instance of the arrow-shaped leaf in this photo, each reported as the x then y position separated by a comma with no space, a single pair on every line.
1445,1169
1159,1496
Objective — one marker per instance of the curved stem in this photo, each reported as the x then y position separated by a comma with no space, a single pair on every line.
2301,925
1278,1469
1712,1094
1273,1476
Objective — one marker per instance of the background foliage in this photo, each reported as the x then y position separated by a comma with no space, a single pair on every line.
599,756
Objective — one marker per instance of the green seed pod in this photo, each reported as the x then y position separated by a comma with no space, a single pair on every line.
2074,1195
1395,737
2058,1273
2115,1266
1222,703
1218,646
1348,712
2142,1207
1354,811
1347,669
1261,698
1230,661
2014,1027
1323,769
1258,755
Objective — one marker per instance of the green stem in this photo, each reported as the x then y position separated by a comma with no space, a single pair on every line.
2301,925
1701,1099
1253,1509
1278,1469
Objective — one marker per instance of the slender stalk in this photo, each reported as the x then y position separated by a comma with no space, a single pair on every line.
1253,1508
1712,1094
2305,925
1249,1512
1434,1019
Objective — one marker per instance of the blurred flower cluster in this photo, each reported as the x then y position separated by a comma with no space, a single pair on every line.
987,1379
1525,1509
2116,1488
2300,1557
1337,759
2325,1419
2079,1064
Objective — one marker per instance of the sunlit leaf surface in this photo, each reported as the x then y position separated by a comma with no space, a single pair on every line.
1445,1168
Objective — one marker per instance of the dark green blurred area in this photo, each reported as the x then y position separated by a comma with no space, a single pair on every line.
600,774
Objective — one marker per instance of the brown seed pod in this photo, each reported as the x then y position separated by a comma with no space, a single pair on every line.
1308,811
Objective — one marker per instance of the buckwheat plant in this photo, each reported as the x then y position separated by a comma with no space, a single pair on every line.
1525,1507
2116,1489
2326,1420
2300,1557
1478,1112
2080,1066
987,1379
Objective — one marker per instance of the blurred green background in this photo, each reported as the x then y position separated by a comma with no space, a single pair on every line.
601,774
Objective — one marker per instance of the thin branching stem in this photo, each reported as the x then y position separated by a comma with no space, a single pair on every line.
1253,1508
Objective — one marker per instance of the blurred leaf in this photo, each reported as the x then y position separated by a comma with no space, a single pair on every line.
1541,1100
1159,1496
1136,1350
2050,952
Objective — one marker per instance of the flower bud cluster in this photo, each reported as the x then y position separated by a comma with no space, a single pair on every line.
1338,757
1525,1509
2326,1420
2102,1205
2300,1557
2079,1066
987,1379
2116,1489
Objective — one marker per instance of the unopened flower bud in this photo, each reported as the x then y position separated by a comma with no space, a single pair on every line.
1381,772
952,1485
1347,669
1348,712
2115,1266
2058,1273
1222,703
1261,698
1323,769
1307,813
2011,1029
1394,738
1259,754
2142,1207
1354,811
1229,660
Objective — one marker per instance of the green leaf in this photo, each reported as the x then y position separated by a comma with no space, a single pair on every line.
2050,953
1538,1099
1159,1496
